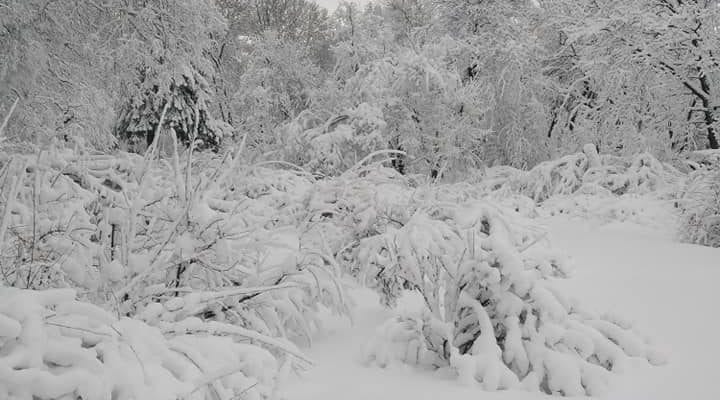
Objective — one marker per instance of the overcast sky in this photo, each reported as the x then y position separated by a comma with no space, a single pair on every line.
332,4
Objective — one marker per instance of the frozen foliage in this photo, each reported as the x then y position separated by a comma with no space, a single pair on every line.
588,171
190,248
55,347
183,245
336,144
704,159
601,205
700,206
491,315
699,201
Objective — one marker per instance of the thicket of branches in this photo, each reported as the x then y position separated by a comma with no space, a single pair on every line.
453,84
227,265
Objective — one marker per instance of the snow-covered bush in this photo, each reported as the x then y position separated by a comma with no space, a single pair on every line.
186,244
555,177
491,314
203,246
700,208
703,159
55,347
336,144
600,204
588,171
641,174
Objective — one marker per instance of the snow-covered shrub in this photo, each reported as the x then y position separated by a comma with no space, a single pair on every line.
187,240
704,159
597,203
357,205
700,209
48,223
549,178
491,314
336,144
586,170
202,246
55,347
642,174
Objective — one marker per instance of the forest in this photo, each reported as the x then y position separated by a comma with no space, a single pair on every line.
200,198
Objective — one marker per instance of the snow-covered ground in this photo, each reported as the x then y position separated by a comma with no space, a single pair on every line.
669,289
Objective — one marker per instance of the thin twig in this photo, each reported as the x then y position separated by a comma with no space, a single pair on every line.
7,117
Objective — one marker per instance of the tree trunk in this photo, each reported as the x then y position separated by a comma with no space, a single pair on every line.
709,115
397,160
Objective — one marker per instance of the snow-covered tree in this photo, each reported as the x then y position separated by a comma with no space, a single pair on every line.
53,71
88,71
506,44
275,86
429,113
165,51
652,69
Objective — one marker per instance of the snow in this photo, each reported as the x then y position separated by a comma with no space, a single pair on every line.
61,348
490,312
666,290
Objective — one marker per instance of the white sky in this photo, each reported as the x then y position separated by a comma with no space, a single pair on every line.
332,4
